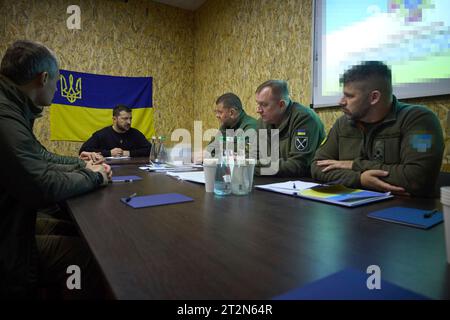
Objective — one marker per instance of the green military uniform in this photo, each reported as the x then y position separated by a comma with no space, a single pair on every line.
30,178
244,122
408,144
300,134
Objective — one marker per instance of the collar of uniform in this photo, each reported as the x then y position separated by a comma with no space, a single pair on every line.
237,124
12,92
392,115
285,122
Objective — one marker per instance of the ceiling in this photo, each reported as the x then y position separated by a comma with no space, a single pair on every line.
183,4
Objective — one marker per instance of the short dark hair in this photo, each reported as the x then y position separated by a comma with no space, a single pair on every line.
119,108
230,100
368,70
25,59
279,88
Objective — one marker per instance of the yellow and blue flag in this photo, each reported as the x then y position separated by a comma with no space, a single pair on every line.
83,104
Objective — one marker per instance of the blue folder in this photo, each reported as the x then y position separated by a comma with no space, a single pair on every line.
125,178
349,284
156,200
408,216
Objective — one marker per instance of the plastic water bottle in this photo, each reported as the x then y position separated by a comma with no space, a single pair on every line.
162,152
239,178
153,155
222,181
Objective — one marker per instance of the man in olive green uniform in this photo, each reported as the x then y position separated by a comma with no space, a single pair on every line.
380,143
300,131
36,251
232,117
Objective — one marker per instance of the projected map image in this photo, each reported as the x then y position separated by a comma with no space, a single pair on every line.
412,36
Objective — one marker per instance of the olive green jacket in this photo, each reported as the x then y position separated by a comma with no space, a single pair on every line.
30,178
408,144
244,122
300,134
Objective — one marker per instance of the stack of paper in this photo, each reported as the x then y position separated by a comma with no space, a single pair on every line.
118,158
166,167
335,194
194,176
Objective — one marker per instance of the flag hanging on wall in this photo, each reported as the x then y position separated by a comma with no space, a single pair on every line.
83,104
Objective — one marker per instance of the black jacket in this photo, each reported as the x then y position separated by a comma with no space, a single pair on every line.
106,139
30,178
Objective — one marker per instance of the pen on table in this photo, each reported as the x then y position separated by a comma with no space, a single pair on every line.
131,197
125,180
429,214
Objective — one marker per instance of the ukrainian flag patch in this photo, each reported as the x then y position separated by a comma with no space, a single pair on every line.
301,132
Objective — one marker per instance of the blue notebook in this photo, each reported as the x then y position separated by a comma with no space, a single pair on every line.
156,200
409,216
349,284
125,178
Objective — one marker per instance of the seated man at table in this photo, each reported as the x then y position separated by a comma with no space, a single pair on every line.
232,117
33,251
300,131
120,139
380,143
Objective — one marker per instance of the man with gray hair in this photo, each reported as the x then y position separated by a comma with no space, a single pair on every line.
300,130
36,251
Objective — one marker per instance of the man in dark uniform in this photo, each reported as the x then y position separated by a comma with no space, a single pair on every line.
120,139
37,252
300,131
380,143
232,117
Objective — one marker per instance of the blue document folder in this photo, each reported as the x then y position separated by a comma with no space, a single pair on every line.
423,219
349,284
125,178
155,200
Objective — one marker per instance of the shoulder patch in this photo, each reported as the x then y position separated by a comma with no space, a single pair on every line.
421,142
301,143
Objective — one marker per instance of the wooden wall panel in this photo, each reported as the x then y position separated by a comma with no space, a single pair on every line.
240,44
134,38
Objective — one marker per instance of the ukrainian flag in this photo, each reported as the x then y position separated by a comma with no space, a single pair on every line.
83,104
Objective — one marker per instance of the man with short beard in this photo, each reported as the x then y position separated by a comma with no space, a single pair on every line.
120,139
380,143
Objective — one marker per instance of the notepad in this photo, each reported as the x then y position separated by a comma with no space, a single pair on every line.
156,200
334,194
408,216
171,167
125,178
349,284
118,158
196,176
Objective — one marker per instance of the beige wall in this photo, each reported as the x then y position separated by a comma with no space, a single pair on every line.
239,44
138,38
231,45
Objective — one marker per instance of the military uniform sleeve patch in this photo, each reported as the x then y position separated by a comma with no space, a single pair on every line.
421,142
301,143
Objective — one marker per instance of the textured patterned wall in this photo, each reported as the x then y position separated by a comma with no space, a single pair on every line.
137,38
241,43
224,46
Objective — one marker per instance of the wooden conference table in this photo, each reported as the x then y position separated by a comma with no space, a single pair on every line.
250,247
